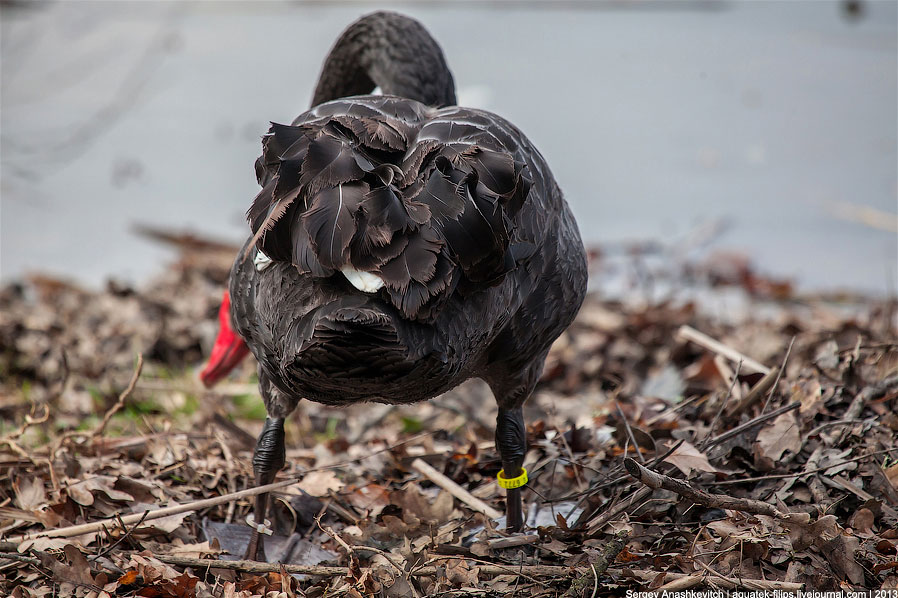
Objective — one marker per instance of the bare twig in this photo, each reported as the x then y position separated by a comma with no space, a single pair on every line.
725,582
756,392
629,433
723,404
655,480
96,526
865,396
509,541
256,567
798,474
750,584
703,340
96,432
778,375
124,537
598,567
596,524
121,398
30,420
751,424
454,489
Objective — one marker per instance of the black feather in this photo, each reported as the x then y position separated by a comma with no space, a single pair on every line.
330,222
330,161
417,262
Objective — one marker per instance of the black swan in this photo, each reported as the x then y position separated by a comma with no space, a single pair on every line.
400,246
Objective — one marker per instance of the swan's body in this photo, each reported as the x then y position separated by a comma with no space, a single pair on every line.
411,248
475,279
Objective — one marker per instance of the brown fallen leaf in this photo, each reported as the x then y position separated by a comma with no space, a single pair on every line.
82,491
780,436
687,459
318,483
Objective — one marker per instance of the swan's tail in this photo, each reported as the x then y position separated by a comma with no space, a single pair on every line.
390,51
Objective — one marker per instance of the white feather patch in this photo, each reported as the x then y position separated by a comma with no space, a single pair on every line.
261,261
363,281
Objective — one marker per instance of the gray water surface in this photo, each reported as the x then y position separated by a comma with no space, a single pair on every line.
654,117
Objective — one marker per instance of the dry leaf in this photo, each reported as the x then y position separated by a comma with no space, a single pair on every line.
687,458
319,483
782,435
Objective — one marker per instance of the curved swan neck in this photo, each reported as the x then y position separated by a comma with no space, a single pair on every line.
390,51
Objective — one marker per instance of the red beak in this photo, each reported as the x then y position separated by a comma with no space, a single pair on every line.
229,349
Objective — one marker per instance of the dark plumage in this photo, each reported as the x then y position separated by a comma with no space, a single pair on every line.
450,211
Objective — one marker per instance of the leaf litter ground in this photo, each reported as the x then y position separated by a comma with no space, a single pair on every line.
709,430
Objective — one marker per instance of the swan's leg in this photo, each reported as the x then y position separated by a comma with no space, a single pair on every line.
511,441
268,458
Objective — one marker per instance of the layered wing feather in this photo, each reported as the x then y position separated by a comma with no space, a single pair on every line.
425,199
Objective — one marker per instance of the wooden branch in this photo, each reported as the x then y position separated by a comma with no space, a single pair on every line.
595,525
863,398
454,489
751,424
657,480
749,584
703,340
597,568
121,398
149,515
509,541
757,391
255,567
729,583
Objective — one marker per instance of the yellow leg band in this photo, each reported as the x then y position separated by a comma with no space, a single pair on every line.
510,484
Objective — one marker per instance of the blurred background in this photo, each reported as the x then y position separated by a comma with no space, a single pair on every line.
767,129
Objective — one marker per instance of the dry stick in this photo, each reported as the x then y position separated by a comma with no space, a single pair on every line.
597,568
86,528
106,417
725,582
782,476
860,401
846,422
509,541
599,522
124,537
703,340
779,374
756,392
656,480
723,404
751,424
454,489
673,409
149,515
121,398
750,584
682,583
15,556
256,567
10,439
629,433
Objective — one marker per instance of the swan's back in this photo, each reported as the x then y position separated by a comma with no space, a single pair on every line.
434,203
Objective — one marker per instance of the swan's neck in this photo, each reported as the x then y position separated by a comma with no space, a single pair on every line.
389,51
